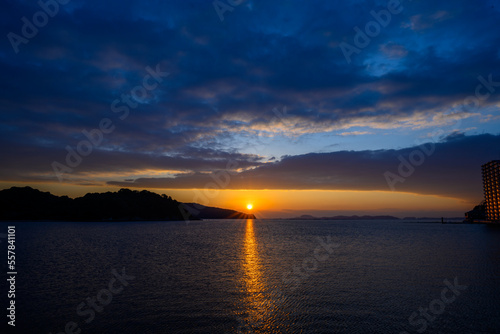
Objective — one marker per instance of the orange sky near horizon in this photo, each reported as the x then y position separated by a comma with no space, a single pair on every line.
291,203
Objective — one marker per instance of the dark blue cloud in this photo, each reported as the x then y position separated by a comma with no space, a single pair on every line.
451,168
227,76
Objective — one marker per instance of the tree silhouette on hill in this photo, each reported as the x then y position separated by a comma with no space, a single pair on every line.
30,204
27,203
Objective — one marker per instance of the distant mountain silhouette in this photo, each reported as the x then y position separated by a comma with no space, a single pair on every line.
432,218
206,212
308,217
27,203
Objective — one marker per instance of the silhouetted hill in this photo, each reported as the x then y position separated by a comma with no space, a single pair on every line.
478,213
124,205
206,212
31,204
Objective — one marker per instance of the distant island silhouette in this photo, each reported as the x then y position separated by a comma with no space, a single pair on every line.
367,217
26,203
309,217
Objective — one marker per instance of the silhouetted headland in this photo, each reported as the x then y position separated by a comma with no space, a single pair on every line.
206,212
27,203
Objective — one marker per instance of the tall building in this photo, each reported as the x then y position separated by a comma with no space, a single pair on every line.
491,184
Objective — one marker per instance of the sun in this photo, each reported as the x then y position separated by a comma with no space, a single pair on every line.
249,206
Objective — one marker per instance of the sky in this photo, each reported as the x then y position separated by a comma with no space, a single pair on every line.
298,107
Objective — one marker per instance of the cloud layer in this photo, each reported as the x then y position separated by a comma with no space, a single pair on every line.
450,168
271,75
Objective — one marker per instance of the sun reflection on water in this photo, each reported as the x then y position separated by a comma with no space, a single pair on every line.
262,303
254,279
